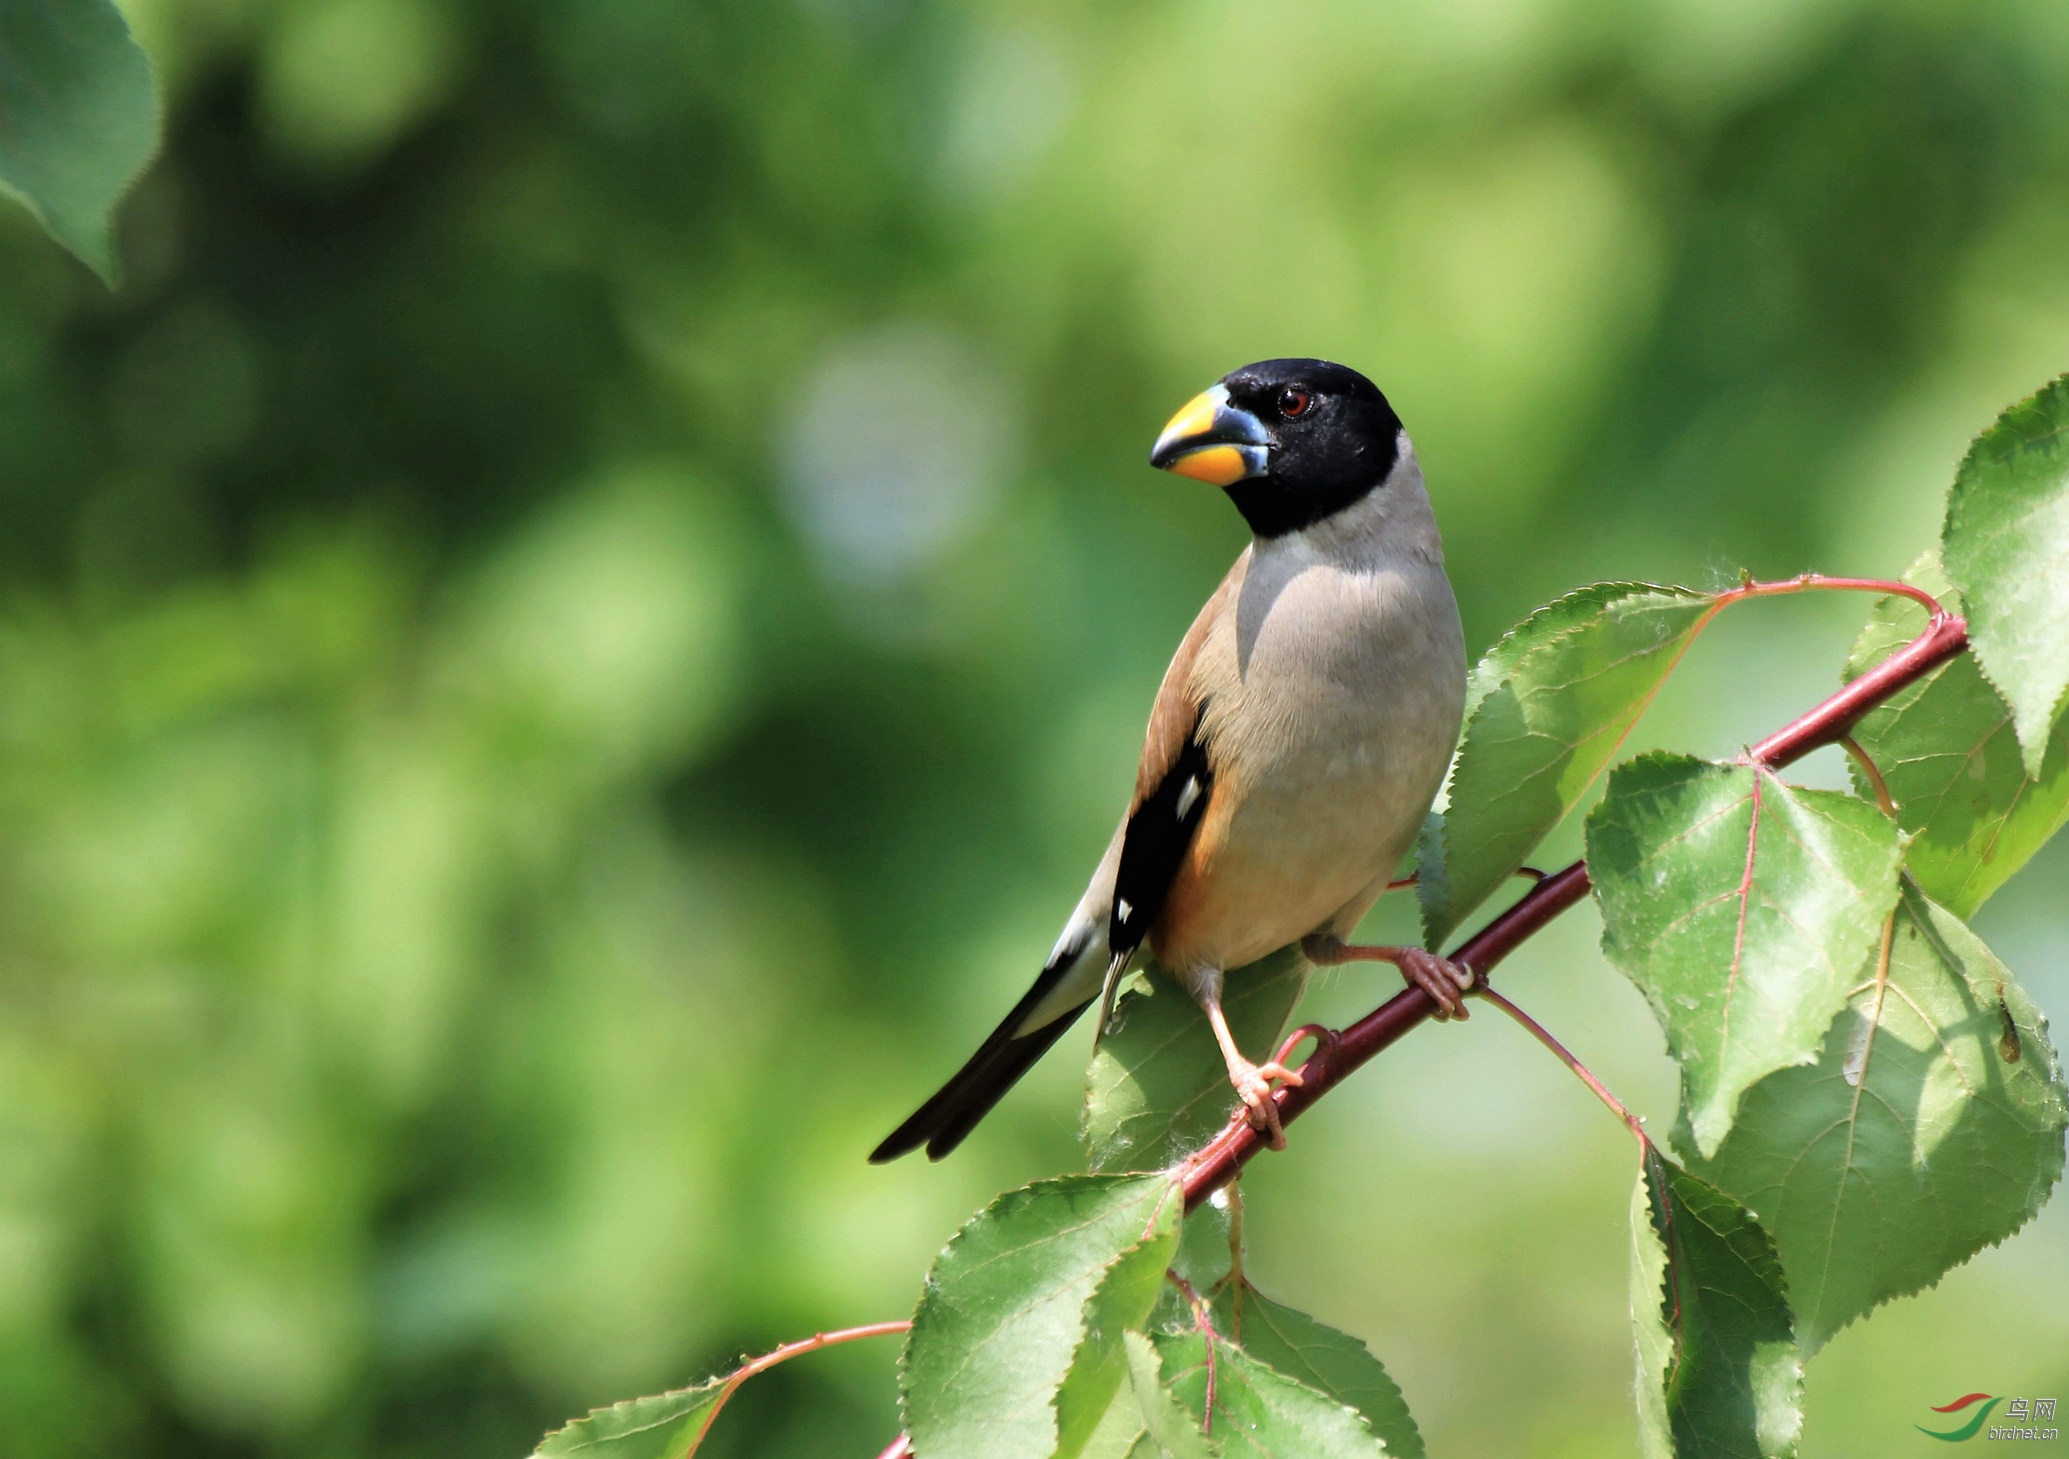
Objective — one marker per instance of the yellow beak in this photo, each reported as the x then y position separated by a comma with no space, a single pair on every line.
1214,441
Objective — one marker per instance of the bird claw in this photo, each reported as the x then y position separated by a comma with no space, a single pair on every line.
1255,1085
1444,980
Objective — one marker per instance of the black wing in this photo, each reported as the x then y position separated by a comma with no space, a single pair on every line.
1160,829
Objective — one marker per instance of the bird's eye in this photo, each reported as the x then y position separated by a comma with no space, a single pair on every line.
1295,403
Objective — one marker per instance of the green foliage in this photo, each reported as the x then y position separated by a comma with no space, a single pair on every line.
1168,1431
1930,1127
78,118
1719,1376
1742,907
1259,1412
665,1426
1124,1298
1326,1360
1546,708
2005,540
1039,1306
1946,749
1016,1345
1158,1086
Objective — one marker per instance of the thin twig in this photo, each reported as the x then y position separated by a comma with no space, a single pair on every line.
1945,636
1205,1323
783,1354
1811,582
1566,1057
1322,1036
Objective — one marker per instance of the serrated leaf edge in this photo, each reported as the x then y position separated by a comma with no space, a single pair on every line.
1775,1275
718,1383
2031,755
1365,1348
929,1285
1663,758
1077,1350
2054,1078
1247,1356
1436,829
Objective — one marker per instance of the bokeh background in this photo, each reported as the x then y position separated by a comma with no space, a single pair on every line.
569,636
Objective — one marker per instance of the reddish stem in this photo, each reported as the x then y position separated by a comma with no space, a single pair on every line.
1323,1038
1218,1162
901,1448
1810,582
1565,1056
1945,636
783,1354
1205,1324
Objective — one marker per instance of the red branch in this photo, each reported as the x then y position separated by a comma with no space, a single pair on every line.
1336,1059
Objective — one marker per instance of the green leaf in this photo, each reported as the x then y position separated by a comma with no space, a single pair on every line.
1742,907
1545,710
665,1426
1946,749
1260,1413
1158,1087
1003,1327
1719,1374
1930,1127
78,118
2005,540
1172,1432
1124,1298
1326,1360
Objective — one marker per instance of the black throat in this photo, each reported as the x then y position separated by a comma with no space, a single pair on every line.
1274,507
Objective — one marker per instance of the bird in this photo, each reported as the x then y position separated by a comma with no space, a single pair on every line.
1295,745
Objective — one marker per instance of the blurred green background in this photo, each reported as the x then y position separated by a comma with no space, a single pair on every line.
570,636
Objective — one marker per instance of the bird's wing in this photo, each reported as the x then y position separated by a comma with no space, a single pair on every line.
1174,784
1172,788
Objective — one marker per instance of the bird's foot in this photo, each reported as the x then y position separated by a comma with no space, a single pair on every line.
1444,980
1255,1085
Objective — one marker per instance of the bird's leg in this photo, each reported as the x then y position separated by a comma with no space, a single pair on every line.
1444,980
1253,1082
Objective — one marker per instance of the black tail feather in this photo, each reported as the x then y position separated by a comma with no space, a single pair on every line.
943,1121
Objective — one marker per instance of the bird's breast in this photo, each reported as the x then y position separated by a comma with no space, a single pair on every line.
1332,701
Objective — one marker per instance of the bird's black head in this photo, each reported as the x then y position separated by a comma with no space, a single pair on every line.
1292,441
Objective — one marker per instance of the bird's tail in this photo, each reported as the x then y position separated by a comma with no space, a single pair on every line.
943,1121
